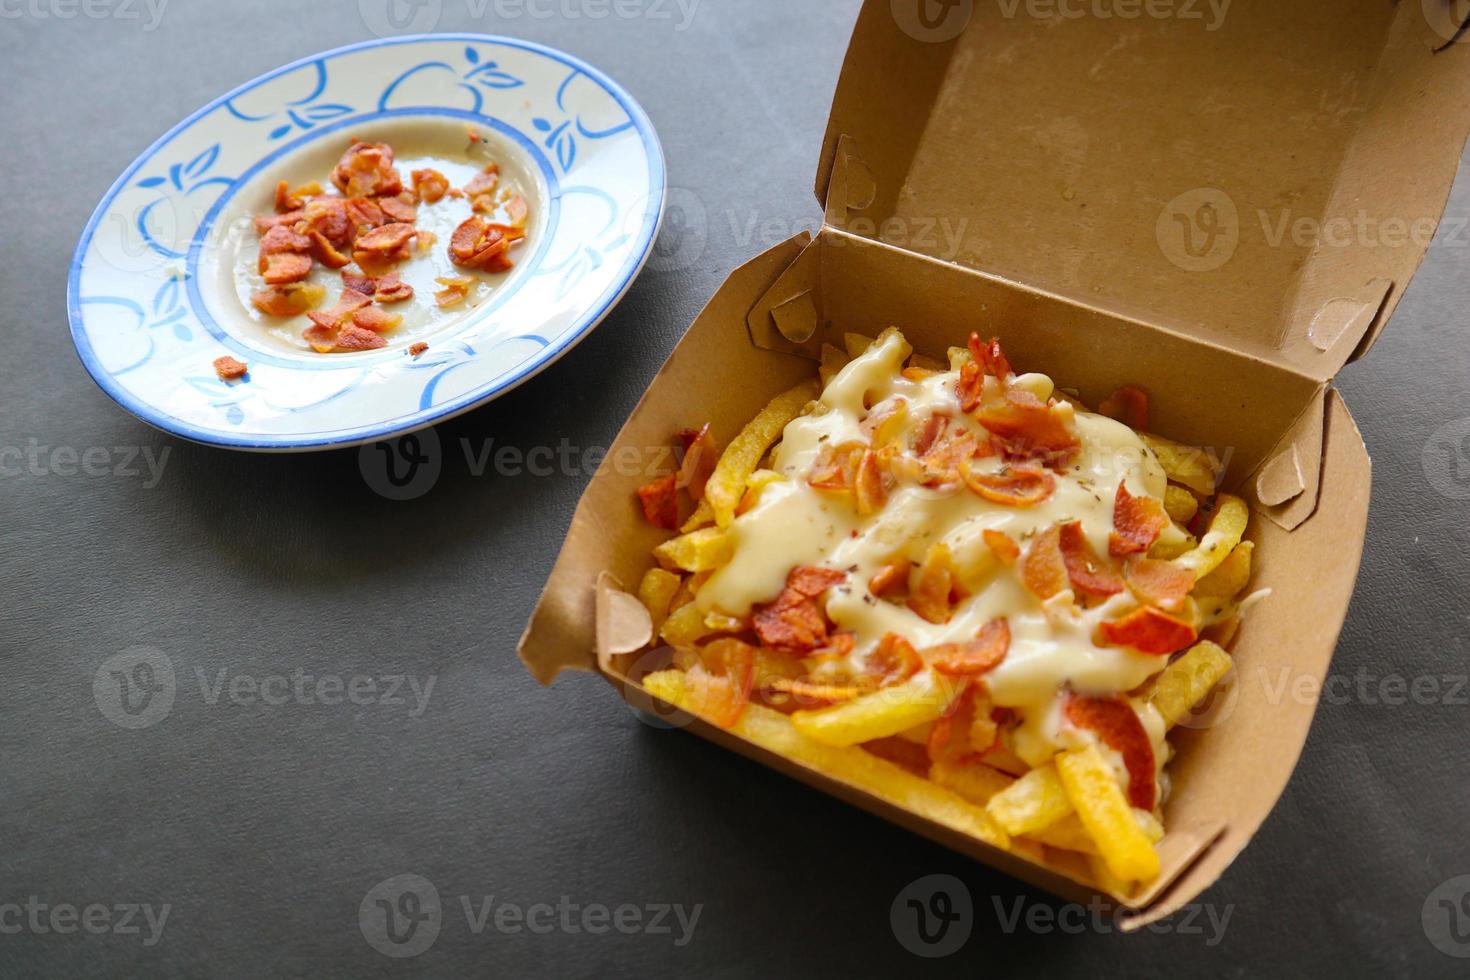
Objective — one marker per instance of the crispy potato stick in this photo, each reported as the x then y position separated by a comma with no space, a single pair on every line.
1185,682
1174,542
857,344
685,626
1105,880
976,782
688,589
656,592
1180,504
1068,834
1038,384
1233,575
1227,526
1034,801
698,551
924,363
743,455
755,486
833,360
703,516
775,732
1194,468
1099,801
889,711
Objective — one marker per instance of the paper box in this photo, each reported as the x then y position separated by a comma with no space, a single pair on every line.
1225,211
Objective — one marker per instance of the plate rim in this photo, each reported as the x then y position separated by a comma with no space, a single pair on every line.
596,313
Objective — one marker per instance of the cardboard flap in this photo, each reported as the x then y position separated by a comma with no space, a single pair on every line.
1267,176
788,316
1242,746
1285,486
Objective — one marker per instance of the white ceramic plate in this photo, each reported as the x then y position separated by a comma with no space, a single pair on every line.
151,296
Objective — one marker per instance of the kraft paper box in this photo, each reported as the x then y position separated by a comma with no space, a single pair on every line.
1225,213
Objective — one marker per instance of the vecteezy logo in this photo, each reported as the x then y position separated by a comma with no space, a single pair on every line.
933,916
404,469
135,688
1447,460
934,21
387,18
1446,917
1199,230
685,233
648,711
1216,707
400,917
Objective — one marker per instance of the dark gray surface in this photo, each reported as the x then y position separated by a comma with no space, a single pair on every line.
264,826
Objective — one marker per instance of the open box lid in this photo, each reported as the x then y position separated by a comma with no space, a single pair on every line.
1263,176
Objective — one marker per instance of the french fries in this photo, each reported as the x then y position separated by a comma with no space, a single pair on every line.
1032,802
1068,833
740,459
703,516
1186,681
856,344
1104,812
976,782
1180,504
776,733
685,626
890,711
1227,525
1035,801
833,360
1231,576
857,628
656,592
704,550
1190,467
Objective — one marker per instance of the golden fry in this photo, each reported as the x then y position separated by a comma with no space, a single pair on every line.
657,591
1180,504
1187,681
976,782
727,485
1227,526
1196,469
698,551
1233,575
1099,802
833,360
685,626
890,711
776,733
1034,801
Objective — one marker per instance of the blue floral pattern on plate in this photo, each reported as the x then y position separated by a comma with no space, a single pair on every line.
141,311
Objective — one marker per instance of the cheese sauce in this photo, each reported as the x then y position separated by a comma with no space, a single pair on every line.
1052,644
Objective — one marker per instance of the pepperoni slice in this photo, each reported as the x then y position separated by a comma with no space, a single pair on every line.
1043,569
660,500
1014,486
1149,630
1028,427
1089,573
1137,523
1003,545
1157,583
979,656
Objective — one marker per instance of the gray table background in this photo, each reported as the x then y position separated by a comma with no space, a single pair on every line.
264,826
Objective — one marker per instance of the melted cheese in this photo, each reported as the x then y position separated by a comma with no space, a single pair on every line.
1051,644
